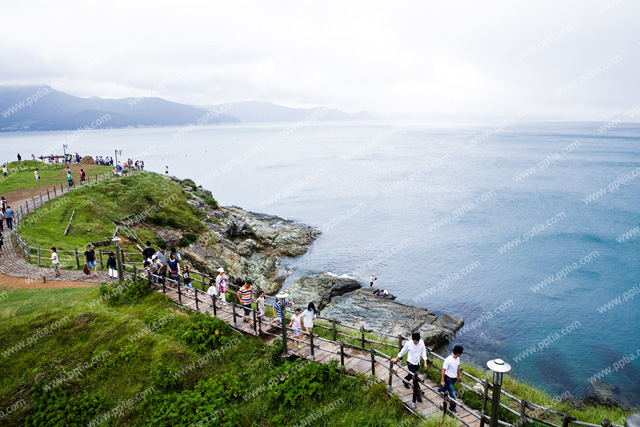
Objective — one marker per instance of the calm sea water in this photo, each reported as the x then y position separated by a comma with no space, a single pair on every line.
418,205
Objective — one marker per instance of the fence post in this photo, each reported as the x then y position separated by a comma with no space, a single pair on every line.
255,324
61,189
233,308
135,273
313,356
390,386
27,205
485,398
41,199
149,277
567,419
48,197
260,326
54,191
77,258
335,333
29,254
164,285
362,334
523,410
373,361
416,390
341,353
606,422
399,342
100,256
179,293
39,262
196,293
214,297
445,398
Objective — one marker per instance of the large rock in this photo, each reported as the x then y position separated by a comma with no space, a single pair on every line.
362,308
320,289
87,160
602,394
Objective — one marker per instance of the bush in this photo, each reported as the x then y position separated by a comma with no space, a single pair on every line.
187,239
130,292
206,333
213,203
294,381
189,183
171,222
58,408
158,218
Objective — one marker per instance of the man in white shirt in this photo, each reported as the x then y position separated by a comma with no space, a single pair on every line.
416,350
451,374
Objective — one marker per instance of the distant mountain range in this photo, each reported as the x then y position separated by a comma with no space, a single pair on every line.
259,112
42,108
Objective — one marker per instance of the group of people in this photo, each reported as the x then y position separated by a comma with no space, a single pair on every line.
373,284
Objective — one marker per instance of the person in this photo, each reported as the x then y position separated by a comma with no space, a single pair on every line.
161,262
19,157
55,262
176,253
69,178
375,283
90,260
381,293
308,316
245,295
295,323
277,309
5,171
112,266
166,172
221,284
4,204
82,176
416,350
371,281
8,216
37,174
260,304
1,221
174,268
1,243
212,291
148,251
451,374
186,277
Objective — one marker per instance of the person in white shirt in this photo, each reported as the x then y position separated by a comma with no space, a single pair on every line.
55,262
451,374
416,350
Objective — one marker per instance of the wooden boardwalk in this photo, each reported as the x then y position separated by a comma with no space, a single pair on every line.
355,361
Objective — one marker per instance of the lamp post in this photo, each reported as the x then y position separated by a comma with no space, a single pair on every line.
117,152
118,259
282,297
499,367
64,149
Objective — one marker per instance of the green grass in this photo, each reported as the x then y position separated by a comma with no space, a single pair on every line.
21,175
130,366
95,207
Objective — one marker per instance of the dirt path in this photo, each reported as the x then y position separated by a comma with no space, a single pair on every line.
8,283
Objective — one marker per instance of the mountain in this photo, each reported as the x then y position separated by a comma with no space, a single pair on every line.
257,112
40,108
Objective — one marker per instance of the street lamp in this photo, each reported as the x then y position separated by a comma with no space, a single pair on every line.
64,149
118,259
282,297
117,152
499,367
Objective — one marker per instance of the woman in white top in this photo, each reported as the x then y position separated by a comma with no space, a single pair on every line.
308,316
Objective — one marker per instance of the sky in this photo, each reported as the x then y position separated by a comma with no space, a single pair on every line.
567,60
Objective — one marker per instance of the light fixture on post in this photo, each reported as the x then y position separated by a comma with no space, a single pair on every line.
282,297
498,367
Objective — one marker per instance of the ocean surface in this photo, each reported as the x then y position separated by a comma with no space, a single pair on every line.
435,212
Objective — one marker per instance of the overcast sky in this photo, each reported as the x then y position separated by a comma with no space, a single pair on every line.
462,59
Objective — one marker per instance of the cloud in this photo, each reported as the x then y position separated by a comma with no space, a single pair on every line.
414,58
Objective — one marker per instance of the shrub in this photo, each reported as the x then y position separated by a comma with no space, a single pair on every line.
171,222
189,183
213,203
188,238
57,407
294,381
206,333
130,292
158,218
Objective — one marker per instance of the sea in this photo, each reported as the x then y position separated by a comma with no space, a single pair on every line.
528,231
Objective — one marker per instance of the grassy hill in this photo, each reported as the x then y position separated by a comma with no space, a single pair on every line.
161,201
134,359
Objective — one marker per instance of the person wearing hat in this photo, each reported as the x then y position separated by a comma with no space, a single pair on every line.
451,374
221,285
416,350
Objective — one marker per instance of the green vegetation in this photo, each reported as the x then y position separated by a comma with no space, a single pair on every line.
161,366
162,201
21,175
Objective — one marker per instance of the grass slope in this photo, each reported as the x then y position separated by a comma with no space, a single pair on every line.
107,352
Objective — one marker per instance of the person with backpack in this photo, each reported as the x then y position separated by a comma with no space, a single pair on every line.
174,268
112,265
82,176
221,284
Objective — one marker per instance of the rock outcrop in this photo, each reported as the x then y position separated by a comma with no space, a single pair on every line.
248,245
336,298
